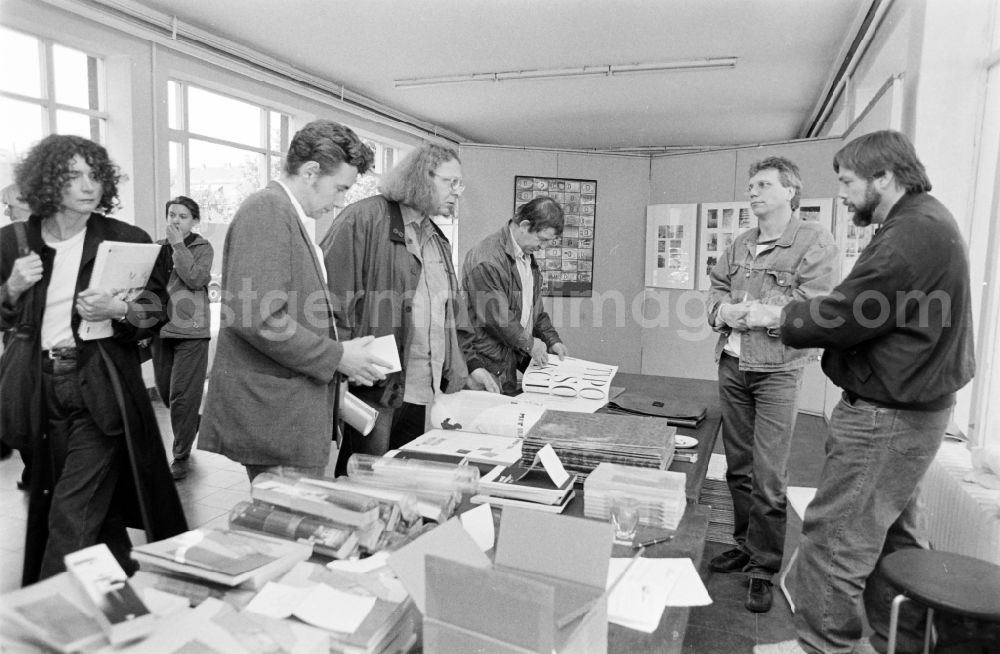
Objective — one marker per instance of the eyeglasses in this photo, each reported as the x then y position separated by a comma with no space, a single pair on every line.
760,187
456,183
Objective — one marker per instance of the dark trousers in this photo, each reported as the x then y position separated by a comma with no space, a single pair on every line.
179,365
86,464
758,418
406,423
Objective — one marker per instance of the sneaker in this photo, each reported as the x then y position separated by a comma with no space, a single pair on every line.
784,647
759,596
179,469
732,560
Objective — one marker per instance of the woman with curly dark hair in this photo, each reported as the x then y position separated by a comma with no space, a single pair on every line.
80,405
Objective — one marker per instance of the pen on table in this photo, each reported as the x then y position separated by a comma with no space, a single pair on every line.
653,541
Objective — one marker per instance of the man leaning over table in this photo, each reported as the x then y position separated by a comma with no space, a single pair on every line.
781,260
508,324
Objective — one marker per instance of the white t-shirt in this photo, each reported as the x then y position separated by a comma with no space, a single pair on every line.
56,326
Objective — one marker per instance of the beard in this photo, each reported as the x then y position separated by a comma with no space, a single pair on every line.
864,213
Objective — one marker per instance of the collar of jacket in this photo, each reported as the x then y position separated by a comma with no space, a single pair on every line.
397,233
509,247
786,239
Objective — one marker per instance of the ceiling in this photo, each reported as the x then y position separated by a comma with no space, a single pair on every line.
787,52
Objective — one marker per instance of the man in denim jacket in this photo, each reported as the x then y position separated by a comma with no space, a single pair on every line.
782,260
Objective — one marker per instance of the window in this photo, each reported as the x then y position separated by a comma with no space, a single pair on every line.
221,148
51,89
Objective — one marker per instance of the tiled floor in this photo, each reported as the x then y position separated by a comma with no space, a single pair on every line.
215,484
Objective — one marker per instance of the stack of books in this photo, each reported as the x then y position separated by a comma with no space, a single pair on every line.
524,486
585,440
231,558
390,626
660,493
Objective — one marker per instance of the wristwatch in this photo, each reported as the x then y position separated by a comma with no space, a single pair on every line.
124,315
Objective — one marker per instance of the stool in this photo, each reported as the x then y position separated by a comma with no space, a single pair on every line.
798,498
942,581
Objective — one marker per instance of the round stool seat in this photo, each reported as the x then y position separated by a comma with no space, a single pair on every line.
945,581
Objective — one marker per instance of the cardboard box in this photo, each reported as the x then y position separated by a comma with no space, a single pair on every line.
545,591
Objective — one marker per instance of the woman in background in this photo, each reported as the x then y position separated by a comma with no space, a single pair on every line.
98,461
180,352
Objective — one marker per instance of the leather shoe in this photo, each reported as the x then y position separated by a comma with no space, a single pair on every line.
732,560
759,596
179,469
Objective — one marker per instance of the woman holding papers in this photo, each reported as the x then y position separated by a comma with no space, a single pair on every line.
180,352
81,405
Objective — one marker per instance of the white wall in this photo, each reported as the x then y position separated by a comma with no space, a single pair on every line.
608,322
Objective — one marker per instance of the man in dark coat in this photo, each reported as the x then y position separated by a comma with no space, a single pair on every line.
99,462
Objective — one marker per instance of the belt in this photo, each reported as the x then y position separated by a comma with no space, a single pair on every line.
60,353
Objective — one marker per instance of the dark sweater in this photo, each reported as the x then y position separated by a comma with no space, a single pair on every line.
898,329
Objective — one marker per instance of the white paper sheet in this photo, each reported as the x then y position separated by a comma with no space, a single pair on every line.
334,610
479,523
318,605
687,590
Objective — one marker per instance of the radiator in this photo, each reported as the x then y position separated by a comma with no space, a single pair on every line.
962,517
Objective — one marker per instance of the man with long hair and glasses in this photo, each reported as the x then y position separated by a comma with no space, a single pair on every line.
392,273
897,334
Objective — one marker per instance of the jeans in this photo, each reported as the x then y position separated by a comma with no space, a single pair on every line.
86,465
865,508
180,365
758,418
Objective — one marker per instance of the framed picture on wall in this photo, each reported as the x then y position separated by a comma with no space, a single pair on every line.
720,223
818,210
567,264
850,238
671,245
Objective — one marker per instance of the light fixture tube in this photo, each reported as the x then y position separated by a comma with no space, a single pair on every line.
561,73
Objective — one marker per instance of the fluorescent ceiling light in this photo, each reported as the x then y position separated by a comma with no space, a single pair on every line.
610,70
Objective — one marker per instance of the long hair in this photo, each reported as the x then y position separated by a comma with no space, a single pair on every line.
788,173
542,213
409,181
329,144
184,200
45,172
871,155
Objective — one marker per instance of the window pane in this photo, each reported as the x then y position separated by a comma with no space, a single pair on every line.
276,164
224,118
279,132
22,126
221,177
70,122
25,77
177,185
173,109
75,77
